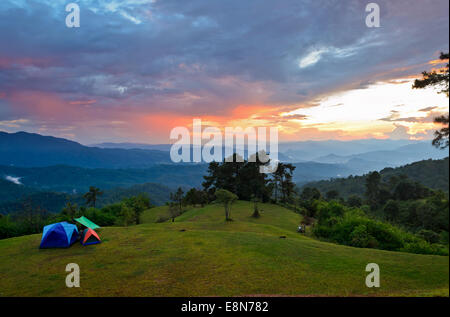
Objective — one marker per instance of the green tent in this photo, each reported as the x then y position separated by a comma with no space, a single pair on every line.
86,222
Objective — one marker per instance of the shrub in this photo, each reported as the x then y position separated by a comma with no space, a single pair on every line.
351,226
354,201
422,247
429,236
8,228
360,237
161,218
100,217
325,211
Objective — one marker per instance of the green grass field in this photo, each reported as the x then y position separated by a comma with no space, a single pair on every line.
202,255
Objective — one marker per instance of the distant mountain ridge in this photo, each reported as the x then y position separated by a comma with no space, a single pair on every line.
45,164
311,150
34,150
377,160
129,145
64,165
360,156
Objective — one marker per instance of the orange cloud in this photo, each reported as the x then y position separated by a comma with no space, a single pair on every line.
438,61
82,102
248,111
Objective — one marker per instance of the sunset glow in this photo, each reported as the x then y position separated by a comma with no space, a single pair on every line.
310,80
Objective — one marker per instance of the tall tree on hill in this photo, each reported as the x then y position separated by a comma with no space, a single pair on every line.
238,176
276,181
438,79
287,185
126,214
226,198
251,182
173,211
70,210
223,175
282,182
138,204
31,217
441,136
178,198
308,199
92,195
373,181
191,197
195,197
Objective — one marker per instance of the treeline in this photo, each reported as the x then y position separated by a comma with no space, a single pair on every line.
53,202
394,213
433,174
245,179
32,219
352,226
235,178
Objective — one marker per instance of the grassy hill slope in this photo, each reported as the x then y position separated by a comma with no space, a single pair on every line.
202,255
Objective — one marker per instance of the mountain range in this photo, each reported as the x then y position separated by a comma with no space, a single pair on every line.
34,150
32,164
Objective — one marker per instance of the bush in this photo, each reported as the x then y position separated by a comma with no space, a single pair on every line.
444,237
353,227
325,211
100,217
354,201
322,231
429,236
161,218
360,237
8,228
422,247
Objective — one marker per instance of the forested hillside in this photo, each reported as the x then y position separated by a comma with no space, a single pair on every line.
431,173
10,191
72,179
54,202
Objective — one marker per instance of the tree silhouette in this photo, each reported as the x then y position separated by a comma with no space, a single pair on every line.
373,181
441,136
92,195
70,210
438,79
178,198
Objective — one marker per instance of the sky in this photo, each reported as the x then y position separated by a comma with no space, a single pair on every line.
136,69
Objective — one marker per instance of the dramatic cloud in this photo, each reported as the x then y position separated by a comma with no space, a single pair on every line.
145,62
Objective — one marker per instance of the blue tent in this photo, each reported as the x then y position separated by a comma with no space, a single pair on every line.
59,235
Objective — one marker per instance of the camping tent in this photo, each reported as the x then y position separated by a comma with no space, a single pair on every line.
59,235
89,236
86,222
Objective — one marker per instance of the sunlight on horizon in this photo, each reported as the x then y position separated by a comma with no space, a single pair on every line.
379,108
